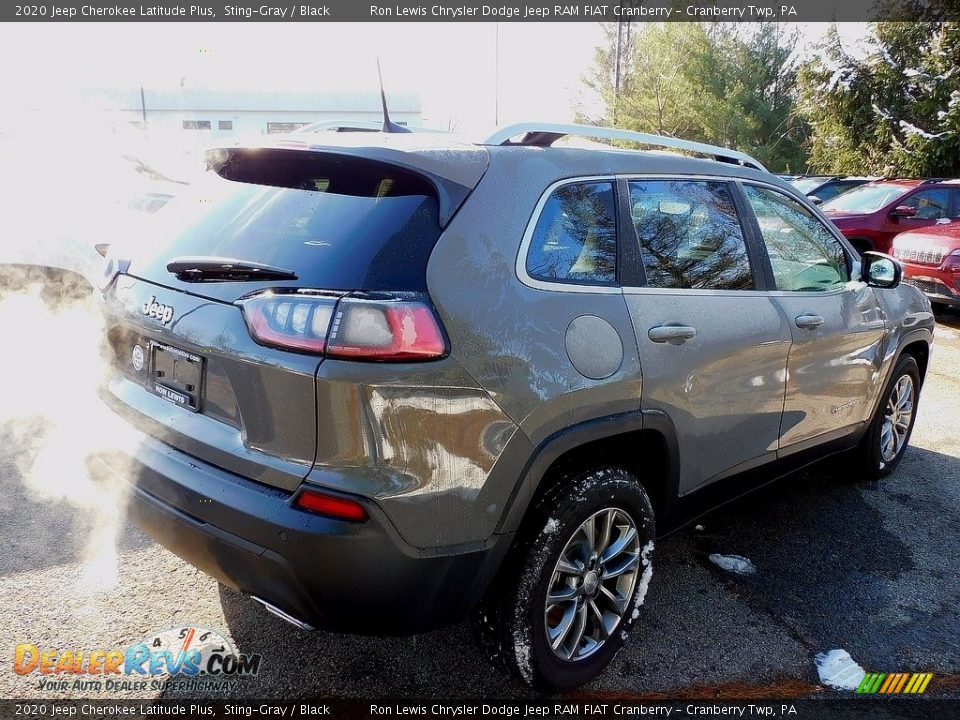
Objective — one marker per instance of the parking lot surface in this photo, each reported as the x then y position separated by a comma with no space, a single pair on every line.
869,568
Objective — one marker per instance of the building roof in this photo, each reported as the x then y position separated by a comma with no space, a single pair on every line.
202,99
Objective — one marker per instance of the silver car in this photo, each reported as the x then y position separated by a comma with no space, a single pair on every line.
385,382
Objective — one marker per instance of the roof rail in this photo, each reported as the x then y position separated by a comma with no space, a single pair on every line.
545,134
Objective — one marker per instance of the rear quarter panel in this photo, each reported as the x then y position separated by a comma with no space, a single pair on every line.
511,338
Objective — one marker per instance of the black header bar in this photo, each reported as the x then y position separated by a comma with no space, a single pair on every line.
467,11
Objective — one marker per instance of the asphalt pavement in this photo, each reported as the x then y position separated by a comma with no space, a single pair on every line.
871,568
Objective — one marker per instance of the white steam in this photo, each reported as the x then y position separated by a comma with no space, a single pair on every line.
53,419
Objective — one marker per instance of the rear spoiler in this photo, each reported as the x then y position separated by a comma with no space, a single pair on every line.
452,172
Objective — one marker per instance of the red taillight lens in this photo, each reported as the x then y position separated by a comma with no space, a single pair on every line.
385,330
331,506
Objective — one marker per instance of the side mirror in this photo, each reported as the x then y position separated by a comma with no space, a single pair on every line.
882,271
815,200
903,211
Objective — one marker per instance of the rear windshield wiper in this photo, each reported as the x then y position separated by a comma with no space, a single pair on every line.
213,269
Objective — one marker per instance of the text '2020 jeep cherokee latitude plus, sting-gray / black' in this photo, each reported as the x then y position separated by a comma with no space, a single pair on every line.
387,380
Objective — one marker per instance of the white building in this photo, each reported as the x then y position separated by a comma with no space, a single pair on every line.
200,114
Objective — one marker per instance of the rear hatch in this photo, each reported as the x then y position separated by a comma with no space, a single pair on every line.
302,227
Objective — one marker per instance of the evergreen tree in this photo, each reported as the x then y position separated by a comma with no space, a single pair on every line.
710,82
894,111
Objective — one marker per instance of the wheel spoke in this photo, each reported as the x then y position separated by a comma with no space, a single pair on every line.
627,563
558,634
606,530
626,537
619,604
906,398
579,626
568,568
590,530
598,616
564,594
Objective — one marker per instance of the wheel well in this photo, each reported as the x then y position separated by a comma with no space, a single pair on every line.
643,453
921,353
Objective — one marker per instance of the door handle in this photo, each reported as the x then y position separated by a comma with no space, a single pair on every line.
808,322
673,334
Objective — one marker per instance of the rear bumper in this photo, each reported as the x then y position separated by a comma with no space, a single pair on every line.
331,574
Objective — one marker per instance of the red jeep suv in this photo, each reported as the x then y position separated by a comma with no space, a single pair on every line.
872,214
931,261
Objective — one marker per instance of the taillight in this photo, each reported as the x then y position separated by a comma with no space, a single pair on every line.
331,506
398,330
952,262
380,328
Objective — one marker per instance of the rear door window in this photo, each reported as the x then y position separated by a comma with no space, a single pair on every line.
690,235
575,238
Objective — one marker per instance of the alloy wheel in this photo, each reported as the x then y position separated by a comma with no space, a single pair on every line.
592,584
896,420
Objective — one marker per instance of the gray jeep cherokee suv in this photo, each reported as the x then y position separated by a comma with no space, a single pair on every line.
384,381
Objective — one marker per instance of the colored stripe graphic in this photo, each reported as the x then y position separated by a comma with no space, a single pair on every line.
904,677
894,683
870,683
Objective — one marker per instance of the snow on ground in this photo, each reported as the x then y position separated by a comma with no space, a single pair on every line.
838,670
733,563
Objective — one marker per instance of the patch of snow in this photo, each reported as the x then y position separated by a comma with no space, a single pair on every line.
881,113
911,129
644,582
733,563
551,527
840,78
838,670
522,651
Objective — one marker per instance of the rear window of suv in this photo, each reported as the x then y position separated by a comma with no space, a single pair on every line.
339,223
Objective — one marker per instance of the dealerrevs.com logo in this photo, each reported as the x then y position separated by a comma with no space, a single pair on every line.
185,658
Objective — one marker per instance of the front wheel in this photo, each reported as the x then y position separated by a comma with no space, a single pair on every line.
571,589
887,438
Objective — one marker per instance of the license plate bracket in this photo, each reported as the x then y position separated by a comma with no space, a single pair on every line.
176,375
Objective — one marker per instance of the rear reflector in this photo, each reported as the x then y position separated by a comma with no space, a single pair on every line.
381,329
331,506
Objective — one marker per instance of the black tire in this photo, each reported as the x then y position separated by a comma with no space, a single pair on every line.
868,459
512,620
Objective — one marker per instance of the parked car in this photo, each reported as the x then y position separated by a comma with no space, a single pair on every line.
384,382
872,214
931,261
101,198
820,189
